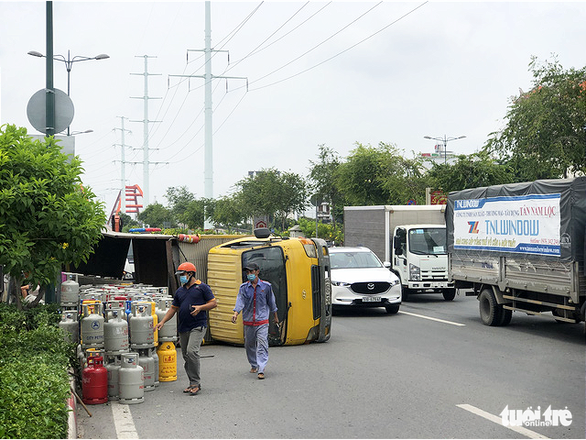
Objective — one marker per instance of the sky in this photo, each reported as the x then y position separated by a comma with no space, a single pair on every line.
317,73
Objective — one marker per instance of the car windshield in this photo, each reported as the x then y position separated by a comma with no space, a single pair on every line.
427,241
353,260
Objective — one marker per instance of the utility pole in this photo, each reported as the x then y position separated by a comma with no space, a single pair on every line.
208,77
123,160
145,121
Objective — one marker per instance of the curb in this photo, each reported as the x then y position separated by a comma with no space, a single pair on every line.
72,415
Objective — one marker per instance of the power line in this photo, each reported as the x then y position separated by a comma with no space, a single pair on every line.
334,56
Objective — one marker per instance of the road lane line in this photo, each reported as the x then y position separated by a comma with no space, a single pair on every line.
123,421
488,416
432,319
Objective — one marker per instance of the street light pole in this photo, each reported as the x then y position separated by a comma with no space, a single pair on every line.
68,64
444,141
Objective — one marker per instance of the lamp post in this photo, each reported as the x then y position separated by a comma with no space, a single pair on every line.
69,64
444,141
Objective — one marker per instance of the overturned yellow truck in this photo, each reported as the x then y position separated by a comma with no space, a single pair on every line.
299,271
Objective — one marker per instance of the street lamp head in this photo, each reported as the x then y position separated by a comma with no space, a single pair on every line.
102,56
34,53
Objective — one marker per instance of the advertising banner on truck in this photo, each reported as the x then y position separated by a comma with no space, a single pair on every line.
544,219
527,224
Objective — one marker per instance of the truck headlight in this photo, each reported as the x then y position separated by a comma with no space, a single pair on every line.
414,272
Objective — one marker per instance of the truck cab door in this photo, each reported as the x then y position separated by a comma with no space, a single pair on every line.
399,257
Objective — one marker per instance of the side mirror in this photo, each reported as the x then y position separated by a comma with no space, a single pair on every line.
397,245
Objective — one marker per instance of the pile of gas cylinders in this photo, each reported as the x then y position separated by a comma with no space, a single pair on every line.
121,353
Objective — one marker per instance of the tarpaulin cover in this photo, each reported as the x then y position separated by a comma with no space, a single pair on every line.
541,219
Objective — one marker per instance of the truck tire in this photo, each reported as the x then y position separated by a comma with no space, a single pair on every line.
405,294
449,294
392,309
506,316
490,312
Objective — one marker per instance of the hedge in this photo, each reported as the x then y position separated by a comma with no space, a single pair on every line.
34,360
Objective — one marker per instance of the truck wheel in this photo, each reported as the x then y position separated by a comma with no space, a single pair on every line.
490,312
405,294
506,316
392,309
449,294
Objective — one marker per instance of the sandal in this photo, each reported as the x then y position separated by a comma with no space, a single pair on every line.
194,390
253,370
261,375
190,388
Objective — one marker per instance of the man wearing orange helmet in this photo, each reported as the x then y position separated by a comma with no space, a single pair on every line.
192,299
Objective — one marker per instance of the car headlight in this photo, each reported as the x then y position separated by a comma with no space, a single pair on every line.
340,283
414,272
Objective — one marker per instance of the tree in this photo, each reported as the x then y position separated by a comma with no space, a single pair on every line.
323,183
381,175
47,218
228,211
545,136
470,171
156,215
127,222
271,192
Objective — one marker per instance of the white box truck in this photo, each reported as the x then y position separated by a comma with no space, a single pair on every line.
409,239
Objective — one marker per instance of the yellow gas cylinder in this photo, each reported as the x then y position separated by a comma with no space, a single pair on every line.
167,362
153,307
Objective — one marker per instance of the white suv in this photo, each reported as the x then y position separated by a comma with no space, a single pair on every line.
360,279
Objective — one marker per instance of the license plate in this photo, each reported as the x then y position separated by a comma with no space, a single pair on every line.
367,299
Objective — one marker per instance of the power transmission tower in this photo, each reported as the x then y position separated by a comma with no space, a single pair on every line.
123,160
208,77
146,162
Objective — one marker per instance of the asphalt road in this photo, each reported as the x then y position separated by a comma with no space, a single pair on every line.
431,371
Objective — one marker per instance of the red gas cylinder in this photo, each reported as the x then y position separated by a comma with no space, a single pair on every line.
95,381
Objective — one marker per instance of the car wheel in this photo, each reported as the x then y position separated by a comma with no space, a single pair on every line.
490,311
449,294
392,309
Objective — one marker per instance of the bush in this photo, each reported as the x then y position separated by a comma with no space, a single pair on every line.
34,359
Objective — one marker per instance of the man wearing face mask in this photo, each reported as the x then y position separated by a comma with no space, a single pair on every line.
256,301
191,300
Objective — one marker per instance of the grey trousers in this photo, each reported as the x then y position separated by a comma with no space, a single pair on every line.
256,342
190,344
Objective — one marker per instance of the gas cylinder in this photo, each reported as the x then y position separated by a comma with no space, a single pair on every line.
92,326
113,368
169,331
141,327
69,292
71,326
167,362
130,379
147,363
95,381
155,356
115,332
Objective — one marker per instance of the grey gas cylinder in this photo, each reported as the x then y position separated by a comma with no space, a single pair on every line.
146,361
71,326
113,368
130,380
142,334
169,331
92,326
155,356
69,292
116,332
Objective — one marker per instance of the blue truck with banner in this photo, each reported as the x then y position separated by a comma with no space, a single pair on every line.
520,247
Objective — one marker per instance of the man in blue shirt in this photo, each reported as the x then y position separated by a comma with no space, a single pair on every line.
256,301
191,300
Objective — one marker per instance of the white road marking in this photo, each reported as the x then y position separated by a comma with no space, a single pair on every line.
488,416
432,319
123,421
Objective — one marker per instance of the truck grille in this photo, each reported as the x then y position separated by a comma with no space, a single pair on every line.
370,287
434,275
